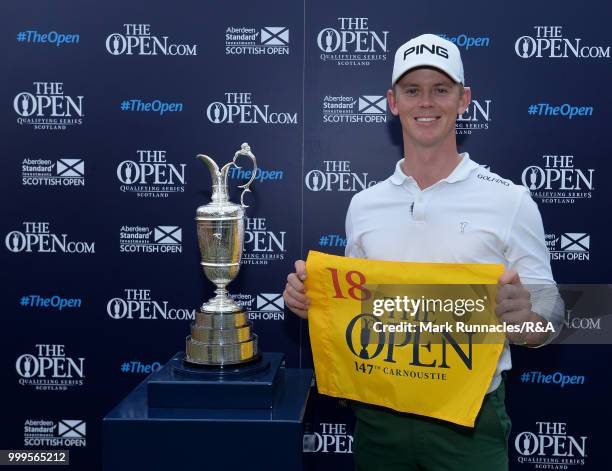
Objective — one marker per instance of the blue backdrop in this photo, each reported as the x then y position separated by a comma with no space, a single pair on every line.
105,105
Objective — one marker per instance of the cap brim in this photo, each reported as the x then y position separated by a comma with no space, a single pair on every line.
429,65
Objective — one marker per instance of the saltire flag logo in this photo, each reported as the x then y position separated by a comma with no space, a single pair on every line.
70,168
71,428
270,302
167,235
275,36
372,104
575,242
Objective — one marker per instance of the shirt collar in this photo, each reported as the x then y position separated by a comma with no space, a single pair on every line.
459,173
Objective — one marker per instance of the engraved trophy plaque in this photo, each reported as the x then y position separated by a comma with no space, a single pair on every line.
221,334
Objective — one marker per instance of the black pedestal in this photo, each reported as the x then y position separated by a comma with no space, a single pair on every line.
184,418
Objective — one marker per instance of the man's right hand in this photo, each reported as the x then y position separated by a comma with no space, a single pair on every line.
295,291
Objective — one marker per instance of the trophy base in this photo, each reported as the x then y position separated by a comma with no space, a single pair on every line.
220,339
221,336
208,354
245,368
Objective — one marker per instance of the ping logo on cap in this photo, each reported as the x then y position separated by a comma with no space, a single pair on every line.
419,48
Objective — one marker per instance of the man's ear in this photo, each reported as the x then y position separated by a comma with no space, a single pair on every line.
392,102
465,100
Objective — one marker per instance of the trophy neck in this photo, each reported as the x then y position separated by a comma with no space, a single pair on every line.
219,191
221,303
219,179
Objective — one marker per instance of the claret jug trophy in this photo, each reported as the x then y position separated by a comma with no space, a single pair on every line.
221,334
222,390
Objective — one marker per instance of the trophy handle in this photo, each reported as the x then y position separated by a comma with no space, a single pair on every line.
245,149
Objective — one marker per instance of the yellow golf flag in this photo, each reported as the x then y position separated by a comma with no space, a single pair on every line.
404,335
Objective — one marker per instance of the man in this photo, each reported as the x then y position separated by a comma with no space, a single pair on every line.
440,206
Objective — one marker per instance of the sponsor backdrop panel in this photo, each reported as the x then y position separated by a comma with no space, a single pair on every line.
515,57
106,106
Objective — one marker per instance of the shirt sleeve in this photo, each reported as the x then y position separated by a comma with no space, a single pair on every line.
527,253
353,247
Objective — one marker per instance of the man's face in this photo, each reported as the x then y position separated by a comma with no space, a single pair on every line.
427,102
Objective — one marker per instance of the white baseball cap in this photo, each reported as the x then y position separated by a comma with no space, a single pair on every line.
428,50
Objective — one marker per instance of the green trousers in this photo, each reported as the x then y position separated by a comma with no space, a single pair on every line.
386,440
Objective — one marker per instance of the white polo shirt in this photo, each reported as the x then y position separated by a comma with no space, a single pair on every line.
472,216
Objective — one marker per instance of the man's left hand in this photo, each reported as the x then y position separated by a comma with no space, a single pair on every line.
514,305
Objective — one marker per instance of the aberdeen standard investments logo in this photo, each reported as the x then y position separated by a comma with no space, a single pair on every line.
569,246
262,306
49,369
336,175
137,304
51,433
352,42
46,172
269,40
144,239
38,238
239,108
349,109
549,42
550,446
558,181
138,40
150,175
48,108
